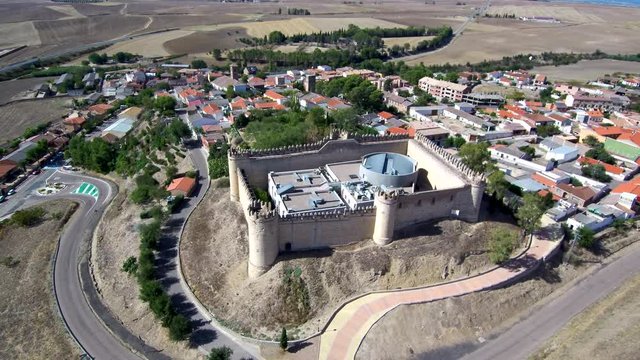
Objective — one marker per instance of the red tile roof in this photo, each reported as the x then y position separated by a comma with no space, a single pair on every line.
184,184
211,109
386,115
543,180
7,166
608,130
274,95
269,105
77,120
582,192
607,167
100,109
632,186
397,131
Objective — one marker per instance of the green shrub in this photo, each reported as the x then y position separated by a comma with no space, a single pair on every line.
130,265
501,245
155,213
220,353
176,203
191,174
9,261
150,234
586,237
28,217
179,328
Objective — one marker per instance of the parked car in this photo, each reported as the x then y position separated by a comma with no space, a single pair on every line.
36,172
11,192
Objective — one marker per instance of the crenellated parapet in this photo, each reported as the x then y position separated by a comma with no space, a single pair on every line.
474,177
236,153
329,214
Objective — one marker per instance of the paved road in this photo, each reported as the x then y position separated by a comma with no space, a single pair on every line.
71,256
205,335
93,337
456,32
527,336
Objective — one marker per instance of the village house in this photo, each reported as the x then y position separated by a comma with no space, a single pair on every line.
182,186
441,89
400,103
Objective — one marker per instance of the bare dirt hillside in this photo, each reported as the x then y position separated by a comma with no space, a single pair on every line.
447,329
116,239
302,289
30,323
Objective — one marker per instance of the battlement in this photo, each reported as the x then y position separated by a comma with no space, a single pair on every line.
451,160
329,214
235,153
256,208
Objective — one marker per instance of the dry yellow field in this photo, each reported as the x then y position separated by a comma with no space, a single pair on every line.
149,45
412,40
564,13
68,10
299,25
19,33
493,39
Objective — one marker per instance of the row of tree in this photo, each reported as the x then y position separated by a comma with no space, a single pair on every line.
119,57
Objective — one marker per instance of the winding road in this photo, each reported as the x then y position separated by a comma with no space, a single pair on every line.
525,337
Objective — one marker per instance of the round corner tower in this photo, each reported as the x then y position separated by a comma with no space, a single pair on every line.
386,208
233,178
263,243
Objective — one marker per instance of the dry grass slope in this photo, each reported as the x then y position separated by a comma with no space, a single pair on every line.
31,326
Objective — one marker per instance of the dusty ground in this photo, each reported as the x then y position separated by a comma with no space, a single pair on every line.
587,70
16,88
504,91
609,329
215,239
17,116
587,28
30,323
449,328
116,239
445,329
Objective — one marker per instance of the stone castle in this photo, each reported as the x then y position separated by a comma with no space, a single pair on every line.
343,207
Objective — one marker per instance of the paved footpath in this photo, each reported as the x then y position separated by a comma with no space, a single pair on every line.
347,329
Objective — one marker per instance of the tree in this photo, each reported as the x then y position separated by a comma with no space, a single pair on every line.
220,353
530,212
496,185
454,142
284,339
230,94
424,99
591,141
98,59
547,130
586,237
476,156
528,150
217,54
501,245
179,328
165,104
595,171
599,153
198,64
276,37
